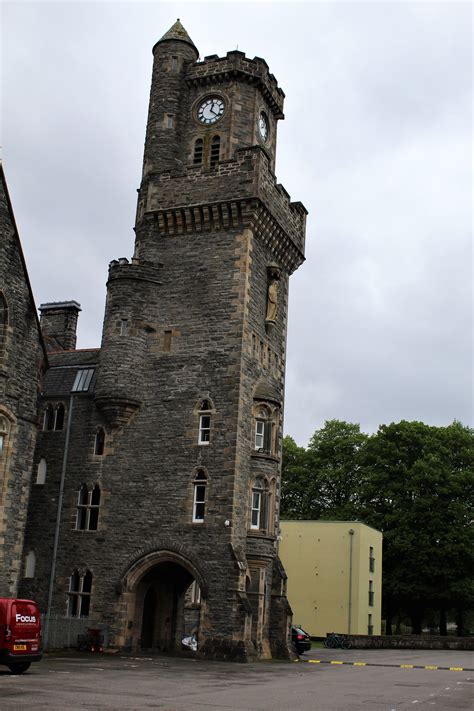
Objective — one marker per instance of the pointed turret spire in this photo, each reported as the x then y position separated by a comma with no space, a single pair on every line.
177,32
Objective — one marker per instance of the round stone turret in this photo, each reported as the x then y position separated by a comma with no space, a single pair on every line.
172,55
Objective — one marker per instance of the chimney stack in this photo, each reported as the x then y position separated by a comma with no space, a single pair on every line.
58,322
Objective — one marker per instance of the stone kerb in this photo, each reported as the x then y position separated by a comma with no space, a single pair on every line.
410,641
234,65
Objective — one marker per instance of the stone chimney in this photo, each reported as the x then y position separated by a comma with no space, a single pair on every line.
58,322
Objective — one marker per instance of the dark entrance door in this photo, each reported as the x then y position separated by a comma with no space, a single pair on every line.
148,623
163,618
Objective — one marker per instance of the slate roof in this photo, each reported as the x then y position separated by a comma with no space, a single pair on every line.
60,376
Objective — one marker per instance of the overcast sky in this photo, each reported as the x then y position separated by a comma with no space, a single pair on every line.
376,143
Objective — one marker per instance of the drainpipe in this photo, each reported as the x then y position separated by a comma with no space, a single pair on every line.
58,523
351,539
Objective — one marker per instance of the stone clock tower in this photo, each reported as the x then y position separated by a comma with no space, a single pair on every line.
187,393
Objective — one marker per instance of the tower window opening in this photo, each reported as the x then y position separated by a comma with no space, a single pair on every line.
99,442
263,432
169,121
3,322
30,564
199,499
59,417
80,589
88,504
174,63
198,151
48,419
215,150
204,435
204,429
167,341
123,326
3,433
41,472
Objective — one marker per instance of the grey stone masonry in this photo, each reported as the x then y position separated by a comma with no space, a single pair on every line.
22,362
59,323
164,476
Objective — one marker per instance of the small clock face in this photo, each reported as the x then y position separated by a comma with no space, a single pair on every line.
211,110
263,126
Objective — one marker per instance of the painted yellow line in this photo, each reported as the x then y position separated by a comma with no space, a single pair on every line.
337,662
406,666
431,667
359,664
456,668
314,661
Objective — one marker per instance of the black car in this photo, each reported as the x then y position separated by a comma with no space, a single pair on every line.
301,640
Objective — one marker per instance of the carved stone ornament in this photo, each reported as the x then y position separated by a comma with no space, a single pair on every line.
274,272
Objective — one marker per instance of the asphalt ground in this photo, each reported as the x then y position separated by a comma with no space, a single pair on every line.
373,680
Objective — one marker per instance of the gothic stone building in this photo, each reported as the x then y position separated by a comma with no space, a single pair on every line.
156,475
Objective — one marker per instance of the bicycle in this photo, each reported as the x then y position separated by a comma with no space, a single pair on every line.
333,641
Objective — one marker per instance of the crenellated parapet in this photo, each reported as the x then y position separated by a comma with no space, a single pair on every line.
199,200
236,66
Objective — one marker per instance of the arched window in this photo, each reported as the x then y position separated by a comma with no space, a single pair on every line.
30,564
41,471
4,429
256,508
205,408
88,504
199,497
99,442
3,323
259,505
263,431
198,151
215,150
80,589
59,417
48,419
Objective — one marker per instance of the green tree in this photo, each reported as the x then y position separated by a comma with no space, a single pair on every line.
418,490
334,454
323,481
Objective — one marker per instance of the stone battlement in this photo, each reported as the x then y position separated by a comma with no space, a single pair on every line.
214,69
247,177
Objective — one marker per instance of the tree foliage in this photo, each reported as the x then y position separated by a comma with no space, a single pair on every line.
412,481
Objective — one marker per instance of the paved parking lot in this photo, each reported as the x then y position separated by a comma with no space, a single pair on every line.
172,684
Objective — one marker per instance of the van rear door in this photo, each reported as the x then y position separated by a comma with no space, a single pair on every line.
25,628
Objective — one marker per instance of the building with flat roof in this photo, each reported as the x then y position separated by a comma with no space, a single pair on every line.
334,573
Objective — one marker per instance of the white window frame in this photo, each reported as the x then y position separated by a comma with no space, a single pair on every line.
256,508
202,482
203,430
87,507
259,434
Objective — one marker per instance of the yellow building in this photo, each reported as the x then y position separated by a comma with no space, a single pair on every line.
334,575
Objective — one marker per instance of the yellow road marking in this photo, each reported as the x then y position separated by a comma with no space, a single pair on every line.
337,662
406,666
314,661
456,668
360,664
431,667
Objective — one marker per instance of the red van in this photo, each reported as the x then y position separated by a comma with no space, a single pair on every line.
20,634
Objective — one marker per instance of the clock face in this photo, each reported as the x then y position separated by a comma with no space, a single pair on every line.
263,126
211,110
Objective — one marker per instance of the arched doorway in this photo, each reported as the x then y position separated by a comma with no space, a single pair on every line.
165,592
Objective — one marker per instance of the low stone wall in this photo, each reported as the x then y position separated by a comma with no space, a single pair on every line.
410,641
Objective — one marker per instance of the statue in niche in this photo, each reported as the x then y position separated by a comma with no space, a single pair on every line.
272,294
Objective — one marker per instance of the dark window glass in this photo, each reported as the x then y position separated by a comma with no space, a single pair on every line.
215,150
59,419
99,442
198,151
48,422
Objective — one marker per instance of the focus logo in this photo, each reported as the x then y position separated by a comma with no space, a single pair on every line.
25,618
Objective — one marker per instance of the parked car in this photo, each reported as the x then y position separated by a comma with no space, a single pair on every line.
301,640
20,634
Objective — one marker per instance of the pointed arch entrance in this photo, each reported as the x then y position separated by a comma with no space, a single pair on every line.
165,596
